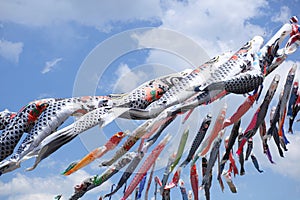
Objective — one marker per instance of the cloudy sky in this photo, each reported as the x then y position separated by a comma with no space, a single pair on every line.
63,48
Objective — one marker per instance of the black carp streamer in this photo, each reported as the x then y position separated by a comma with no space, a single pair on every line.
158,102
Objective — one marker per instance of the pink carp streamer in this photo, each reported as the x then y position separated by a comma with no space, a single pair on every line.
145,167
149,181
242,109
218,126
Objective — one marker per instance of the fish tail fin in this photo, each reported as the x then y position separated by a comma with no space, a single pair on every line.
51,143
112,115
112,192
240,149
69,168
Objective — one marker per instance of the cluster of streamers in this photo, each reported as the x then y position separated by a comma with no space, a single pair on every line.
159,102
43,139
259,115
98,180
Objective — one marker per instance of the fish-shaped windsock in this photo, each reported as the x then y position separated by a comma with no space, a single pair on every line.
96,153
232,166
227,176
203,166
23,121
131,140
204,172
242,109
273,130
293,44
255,163
141,187
180,149
212,157
241,156
296,109
194,181
293,98
260,113
149,181
231,140
249,148
219,173
183,190
271,57
283,139
156,130
218,125
283,106
97,180
293,107
167,172
263,136
146,166
173,163
198,139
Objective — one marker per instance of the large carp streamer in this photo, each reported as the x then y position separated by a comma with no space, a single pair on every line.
158,102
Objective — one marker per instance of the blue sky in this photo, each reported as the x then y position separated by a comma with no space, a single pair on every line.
43,49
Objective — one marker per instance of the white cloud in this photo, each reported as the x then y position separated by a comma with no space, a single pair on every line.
291,159
214,22
50,64
213,28
95,13
24,187
182,53
10,50
122,70
283,16
128,79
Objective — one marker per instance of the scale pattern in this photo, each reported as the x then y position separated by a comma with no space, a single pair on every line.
216,70
21,123
242,85
5,118
56,113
